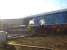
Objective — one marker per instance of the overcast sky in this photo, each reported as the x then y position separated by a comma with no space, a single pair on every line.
22,8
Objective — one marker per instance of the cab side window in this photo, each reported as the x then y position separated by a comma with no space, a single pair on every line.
31,22
42,22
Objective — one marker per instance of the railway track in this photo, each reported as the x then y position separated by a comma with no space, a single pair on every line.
29,47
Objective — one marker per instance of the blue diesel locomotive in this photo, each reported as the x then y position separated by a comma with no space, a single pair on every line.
52,22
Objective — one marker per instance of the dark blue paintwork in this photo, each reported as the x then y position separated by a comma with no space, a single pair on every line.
54,18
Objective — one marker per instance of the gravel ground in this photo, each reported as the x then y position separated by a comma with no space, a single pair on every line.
56,42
